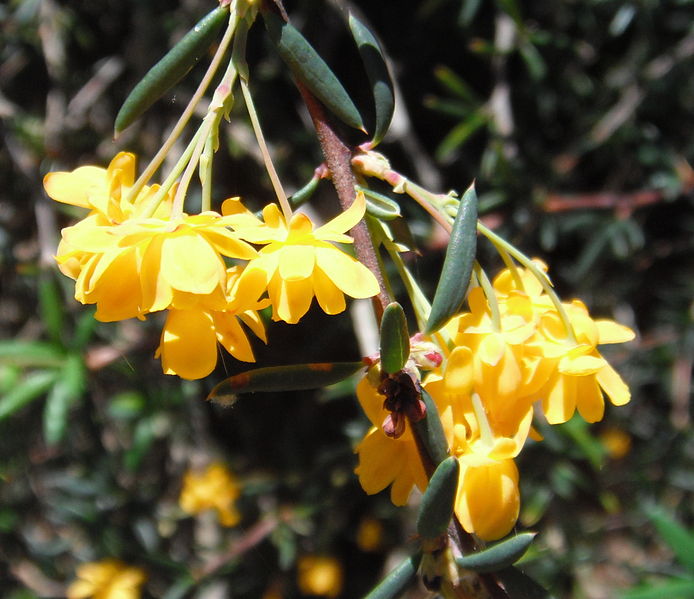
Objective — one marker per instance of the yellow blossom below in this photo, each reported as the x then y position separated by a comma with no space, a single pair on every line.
107,579
319,575
214,488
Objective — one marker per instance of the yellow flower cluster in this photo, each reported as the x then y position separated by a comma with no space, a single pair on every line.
512,351
214,488
319,575
107,579
133,255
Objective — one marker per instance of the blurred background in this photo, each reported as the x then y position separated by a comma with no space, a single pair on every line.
575,118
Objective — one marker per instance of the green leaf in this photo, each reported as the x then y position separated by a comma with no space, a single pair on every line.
533,60
397,581
460,133
30,353
437,504
283,378
498,556
66,391
380,206
678,538
309,68
395,340
171,68
430,431
33,386
379,78
673,589
51,306
143,436
304,194
457,266
523,586
579,432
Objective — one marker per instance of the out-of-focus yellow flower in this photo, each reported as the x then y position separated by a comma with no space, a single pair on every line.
298,262
616,441
385,460
214,488
370,534
107,579
319,575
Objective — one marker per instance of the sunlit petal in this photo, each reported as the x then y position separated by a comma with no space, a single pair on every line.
188,345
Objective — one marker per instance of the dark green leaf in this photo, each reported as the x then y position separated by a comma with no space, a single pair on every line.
672,589
311,69
379,78
678,538
304,194
533,60
395,340
437,504
29,389
283,378
141,442
430,431
457,266
171,68
398,580
523,587
499,556
380,206
65,392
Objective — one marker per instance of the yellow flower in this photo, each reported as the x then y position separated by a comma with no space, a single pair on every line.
319,575
107,579
384,460
370,534
580,374
616,442
298,262
214,488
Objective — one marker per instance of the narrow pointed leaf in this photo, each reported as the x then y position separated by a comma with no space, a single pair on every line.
283,378
678,538
430,431
51,306
309,68
30,353
303,195
171,68
395,340
672,589
30,388
380,206
379,78
521,585
397,581
498,556
62,397
437,504
457,266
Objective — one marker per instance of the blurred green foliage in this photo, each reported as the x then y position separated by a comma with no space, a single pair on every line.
575,118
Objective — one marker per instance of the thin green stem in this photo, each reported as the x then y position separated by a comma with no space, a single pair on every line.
520,257
269,166
489,292
206,161
155,163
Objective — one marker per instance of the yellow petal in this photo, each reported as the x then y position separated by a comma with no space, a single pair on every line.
344,221
253,321
581,365
350,275
228,243
122,167
117,292
492,349
612,332
559,402
330,298
371,401
156,291
458,377
380,461
74,188
232,336
290,299
613,385
188,344
589,401
296,262
253,282
189,263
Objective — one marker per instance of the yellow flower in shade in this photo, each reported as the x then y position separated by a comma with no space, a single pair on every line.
616,442
385,460
214,488
370,535
107,579
581,374
298,262
319,575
